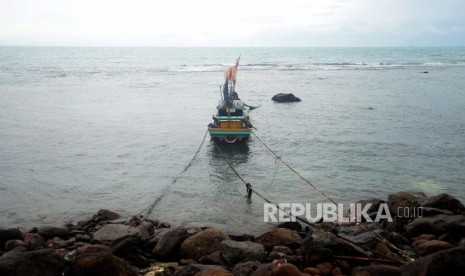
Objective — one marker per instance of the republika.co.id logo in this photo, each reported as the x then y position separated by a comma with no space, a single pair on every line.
330,212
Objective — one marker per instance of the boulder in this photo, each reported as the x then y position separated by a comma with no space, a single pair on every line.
245,268
34,241
445,262
278,236
193,269
429,247
44,262
444,202
325,268
377,270
287,270
160,269
109,215
404,200
214,258
110,233
437,225
50,231
98,260
202,243
9,234
285,98
234,252
214,271
170,241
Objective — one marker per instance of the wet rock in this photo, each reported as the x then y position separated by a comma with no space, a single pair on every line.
264,270
245,268
34,241
432,246
193,269
9,234
110,233
214,258
278,236
444,202
312,271
445,262
98,260
366,239
283,249
12,244
285,98
374,206
234,252
437,225
291,226
377,270
325,268
164,224
404,200
428,212
170,241
202,243
287,270
109,215
147,228
50,231
44,262
214,271
82,237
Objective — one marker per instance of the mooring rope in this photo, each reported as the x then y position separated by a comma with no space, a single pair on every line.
147,211
401,252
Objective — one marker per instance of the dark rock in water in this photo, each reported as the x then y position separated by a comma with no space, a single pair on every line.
234,252
9,234
429,247
202,243
444,202
424,72
437,225
377,270
291,225
109,215
48,231
285,98
278,236
98,260
245,268
44,262
170,241
445,262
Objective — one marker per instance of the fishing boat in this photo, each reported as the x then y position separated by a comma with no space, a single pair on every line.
231,122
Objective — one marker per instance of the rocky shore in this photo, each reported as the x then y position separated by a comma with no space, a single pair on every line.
107,244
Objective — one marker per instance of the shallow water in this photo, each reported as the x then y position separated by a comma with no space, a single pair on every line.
89,128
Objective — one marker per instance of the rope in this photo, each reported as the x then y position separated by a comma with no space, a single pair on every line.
292,169
401,252
147,211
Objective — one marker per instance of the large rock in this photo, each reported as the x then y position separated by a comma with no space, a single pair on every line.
429,247
98,260
9,234
377,270
444,202
245,268
108,215
234,252
170,241
44,262
50,231
287,270
445,262
401,200
34,241
285,98
110,233
202,243
193,269
278,236
438,225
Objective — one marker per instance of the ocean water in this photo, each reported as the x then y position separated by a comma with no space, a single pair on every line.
89,128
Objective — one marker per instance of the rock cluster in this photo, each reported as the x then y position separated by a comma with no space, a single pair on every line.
285,98
107,244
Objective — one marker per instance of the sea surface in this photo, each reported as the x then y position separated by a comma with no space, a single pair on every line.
89,128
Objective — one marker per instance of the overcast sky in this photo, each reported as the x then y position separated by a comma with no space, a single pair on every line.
233,23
